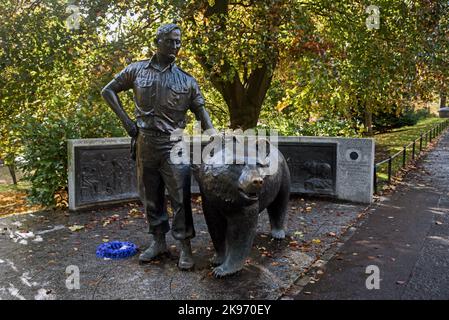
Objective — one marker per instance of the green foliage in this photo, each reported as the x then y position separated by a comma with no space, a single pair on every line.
44,144
292,120
44,148
304,67
385,121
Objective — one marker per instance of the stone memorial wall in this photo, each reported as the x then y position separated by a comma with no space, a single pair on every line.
102,172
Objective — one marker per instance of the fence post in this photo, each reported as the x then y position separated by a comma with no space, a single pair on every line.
404,156
375,179
413,149
420,142
389,170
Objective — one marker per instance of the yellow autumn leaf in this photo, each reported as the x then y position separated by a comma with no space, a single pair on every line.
282,105
76,227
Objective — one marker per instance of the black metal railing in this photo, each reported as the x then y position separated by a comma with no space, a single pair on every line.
424,139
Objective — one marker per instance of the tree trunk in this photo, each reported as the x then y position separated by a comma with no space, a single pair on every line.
244,115
244,97
12,171
369,123
442,100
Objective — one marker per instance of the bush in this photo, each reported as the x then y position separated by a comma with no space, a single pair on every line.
390,120
292,121
45,147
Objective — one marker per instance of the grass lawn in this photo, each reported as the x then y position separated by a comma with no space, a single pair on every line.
387,144
391,142
21,186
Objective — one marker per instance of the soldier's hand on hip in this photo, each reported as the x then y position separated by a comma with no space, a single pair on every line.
132,129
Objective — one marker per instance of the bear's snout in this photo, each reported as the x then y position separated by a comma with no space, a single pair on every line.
257,182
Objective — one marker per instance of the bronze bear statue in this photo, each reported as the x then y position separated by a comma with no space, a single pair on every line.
233,195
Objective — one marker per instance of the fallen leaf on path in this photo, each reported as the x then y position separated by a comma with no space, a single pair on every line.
298,234
76,227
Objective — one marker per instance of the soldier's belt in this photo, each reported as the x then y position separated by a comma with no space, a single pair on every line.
154,133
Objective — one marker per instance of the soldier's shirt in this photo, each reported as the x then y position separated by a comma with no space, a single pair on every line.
161,97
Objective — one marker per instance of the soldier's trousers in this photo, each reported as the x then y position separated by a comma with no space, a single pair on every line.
155,172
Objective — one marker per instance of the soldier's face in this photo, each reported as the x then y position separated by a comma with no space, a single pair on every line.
170,44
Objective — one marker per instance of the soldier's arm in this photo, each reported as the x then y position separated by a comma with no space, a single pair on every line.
200,112
122,82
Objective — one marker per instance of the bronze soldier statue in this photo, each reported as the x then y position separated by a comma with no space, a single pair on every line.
162,93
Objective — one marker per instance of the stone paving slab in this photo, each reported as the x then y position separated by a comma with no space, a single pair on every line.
36,249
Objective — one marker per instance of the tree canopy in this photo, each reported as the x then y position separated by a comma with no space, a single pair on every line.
264,63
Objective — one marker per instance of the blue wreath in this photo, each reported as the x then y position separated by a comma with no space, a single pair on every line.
116,250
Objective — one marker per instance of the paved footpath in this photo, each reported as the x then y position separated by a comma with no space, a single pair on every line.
406,236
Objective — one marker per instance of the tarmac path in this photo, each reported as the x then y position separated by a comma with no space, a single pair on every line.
406,236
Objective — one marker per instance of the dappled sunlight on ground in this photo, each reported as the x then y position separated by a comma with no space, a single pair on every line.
14,202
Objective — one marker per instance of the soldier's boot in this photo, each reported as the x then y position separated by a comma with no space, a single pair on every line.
185,258
157,248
